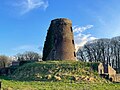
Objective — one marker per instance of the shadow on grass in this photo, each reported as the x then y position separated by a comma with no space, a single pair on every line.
5,78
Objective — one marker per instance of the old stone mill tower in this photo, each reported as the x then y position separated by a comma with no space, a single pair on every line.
59,44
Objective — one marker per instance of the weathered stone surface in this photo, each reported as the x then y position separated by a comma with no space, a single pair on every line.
49,76
59,44
100,68
57,78
108,70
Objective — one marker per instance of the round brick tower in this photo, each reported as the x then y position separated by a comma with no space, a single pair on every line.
62,44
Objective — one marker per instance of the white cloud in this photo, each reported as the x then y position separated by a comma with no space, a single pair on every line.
78,29
80,37
26,6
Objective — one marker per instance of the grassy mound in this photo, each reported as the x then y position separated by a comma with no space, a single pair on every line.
58,71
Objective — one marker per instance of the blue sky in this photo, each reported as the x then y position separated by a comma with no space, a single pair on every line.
24,23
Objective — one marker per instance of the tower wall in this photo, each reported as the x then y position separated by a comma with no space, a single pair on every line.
63,41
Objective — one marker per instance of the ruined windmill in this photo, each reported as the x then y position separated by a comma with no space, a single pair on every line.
59,44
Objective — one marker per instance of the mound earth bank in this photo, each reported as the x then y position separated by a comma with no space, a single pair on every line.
81,72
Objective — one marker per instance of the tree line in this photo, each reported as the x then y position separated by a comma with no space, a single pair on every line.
106,51
6,61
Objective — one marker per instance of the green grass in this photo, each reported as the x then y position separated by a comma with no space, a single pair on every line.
41,76
37,85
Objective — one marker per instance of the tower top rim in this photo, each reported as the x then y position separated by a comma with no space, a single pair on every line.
65,20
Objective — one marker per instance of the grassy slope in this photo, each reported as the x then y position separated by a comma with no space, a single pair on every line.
58,71
74,76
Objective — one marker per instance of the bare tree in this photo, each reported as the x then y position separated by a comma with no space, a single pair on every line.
28,56
106,51
4,61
